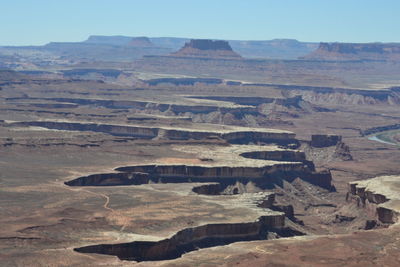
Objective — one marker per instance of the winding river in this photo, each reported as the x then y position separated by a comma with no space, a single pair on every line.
385,137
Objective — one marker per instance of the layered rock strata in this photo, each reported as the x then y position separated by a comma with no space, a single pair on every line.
194,238
255,101
241,135
263,177
261,222
379,196
160,106
268,224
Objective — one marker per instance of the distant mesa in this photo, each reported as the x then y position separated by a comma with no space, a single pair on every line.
205,48
271,49
206,44
108,40
140,42
356,51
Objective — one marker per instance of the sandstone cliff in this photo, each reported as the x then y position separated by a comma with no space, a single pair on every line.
263,177
191,239
378,196
239,136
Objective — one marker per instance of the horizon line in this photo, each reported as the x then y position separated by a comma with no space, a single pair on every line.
202,38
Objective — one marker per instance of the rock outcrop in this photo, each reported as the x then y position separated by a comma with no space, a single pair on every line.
378,196
263,177
322,140
356,51
205,48
342,152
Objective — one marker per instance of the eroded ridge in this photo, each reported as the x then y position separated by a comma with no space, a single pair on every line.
379,196
270,224
227,170
234,135
226,165
263,177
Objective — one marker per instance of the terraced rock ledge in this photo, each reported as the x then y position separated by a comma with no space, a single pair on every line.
262,166
263,177
190,239
232,134
267,224
378,196
227,169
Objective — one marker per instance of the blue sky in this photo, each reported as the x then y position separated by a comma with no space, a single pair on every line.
36,22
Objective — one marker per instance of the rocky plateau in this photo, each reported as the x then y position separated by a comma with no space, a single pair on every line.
118,151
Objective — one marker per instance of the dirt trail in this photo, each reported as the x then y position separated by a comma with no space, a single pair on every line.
116,216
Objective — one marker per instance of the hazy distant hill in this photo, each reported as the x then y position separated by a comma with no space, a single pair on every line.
104,51
275,49
356,51
126,49
110,40
174,43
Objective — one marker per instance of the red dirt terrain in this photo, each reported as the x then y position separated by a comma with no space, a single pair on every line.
122,165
